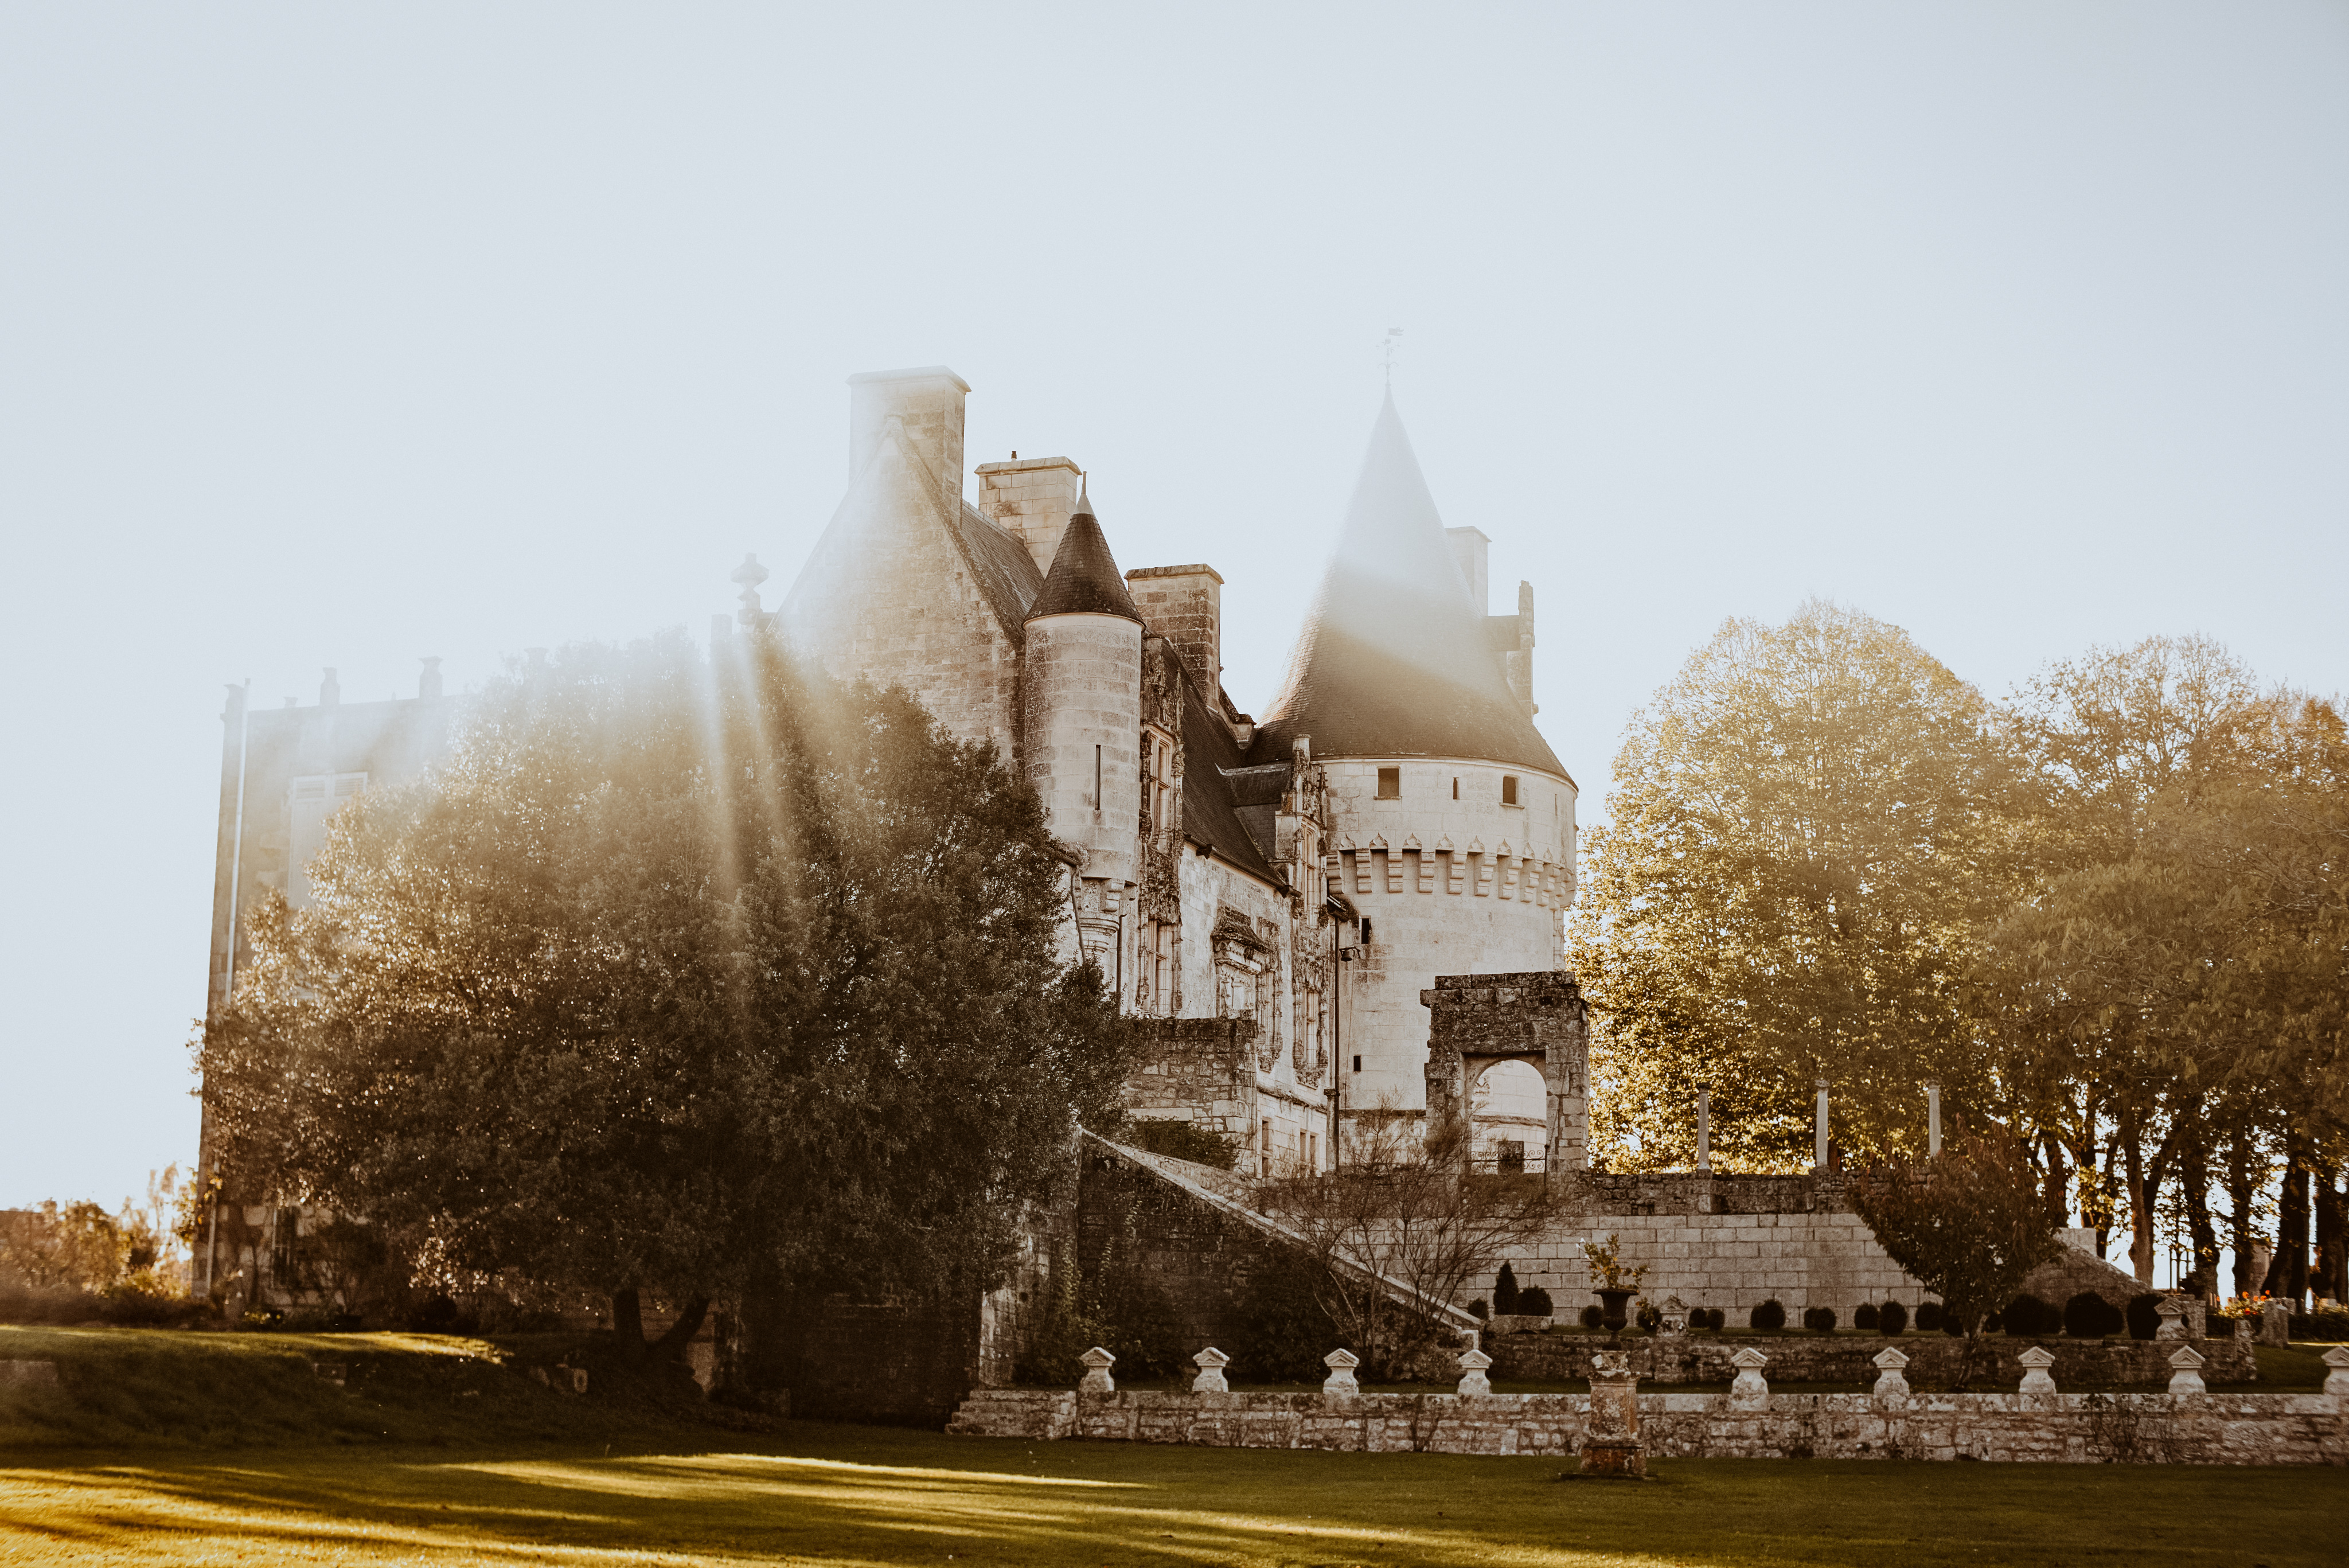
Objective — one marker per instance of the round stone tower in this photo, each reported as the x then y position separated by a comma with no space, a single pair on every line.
1081,697
1451,820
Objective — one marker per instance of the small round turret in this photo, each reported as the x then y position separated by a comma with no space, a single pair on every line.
1081,702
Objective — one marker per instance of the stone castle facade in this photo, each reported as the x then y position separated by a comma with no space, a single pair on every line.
1279,890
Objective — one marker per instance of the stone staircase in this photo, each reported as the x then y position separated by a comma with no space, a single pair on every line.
1015,1413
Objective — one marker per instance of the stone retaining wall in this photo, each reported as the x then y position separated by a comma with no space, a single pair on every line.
2063,1429
1850,1358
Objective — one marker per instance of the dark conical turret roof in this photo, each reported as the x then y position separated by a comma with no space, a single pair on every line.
1085,578
1395,661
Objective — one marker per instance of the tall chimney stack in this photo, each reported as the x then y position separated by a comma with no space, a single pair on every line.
1184,605
1030,499
928,403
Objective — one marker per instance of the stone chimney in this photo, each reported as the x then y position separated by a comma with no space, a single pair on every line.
428,685
1030,499
928,402
1468,548
1184,605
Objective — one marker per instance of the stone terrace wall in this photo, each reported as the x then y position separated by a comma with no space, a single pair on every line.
2066,1428
1199,1070
1849,1358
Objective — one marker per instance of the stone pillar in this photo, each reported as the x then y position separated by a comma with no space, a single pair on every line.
1749,1392
1610,1443
1340,1383
2035,1363
2336,1382
2275,1323
2187,1375
1933,1118
1097,1379
1211,1363
1674,1314
1705,1129
1819,1127
1472,1380
2171,1310
1889,1383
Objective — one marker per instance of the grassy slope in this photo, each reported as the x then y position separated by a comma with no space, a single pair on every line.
833,1494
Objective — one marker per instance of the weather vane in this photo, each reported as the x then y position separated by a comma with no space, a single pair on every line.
1388,346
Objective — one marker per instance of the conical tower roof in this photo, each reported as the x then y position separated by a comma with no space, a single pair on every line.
1394,660
1085,578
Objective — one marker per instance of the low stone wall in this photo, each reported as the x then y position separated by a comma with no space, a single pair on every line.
1850,1358
2062,1429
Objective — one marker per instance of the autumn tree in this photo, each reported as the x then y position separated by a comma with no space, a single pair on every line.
1809,826
679,979
1968,1225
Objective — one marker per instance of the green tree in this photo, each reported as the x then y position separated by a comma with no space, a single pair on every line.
679,979
1809,825
65,1246
1966,1225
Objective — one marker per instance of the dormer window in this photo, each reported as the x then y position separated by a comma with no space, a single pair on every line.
1390,783
1508,789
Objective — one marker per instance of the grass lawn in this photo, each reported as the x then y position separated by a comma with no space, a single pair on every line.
216,1449
812,1493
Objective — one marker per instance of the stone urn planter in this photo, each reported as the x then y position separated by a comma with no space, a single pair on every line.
1610,1307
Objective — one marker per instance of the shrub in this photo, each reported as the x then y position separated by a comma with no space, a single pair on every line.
1770,1314
1865,1317
1650,1316
1819,1320
2027,1316
1183,1140
1505,1291
2090,1316
145,1299
2143,1322
1477,1309
1720,1318
1928,1316
2325,1326
1594,1317
1534,1302
1892,1318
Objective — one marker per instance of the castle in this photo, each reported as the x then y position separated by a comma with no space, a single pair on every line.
1395,814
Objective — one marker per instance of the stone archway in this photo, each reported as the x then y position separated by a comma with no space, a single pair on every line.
1536,1017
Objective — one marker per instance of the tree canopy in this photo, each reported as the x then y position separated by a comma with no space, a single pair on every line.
679,977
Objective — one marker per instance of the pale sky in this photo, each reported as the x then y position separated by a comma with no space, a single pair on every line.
346,335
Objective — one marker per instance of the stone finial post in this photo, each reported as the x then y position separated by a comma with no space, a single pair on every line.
2035,1363
2336,1382
1673,1313
1340,1383
1472,1380
1749,1392
1889,1383
1611,1445
2172,1311
2187,1376
1211,1363
1097,1379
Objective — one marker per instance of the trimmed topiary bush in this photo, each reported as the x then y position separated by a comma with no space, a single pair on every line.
1770,1314
2090,1316
1477,1309
2143,1322
2027,1316
1819,1320
1928,1316
1892,1318
1534,1302
1864,1318
1505,1291
1594,1317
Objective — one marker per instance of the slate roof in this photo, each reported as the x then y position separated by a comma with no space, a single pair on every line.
1211,806
1085,578
1001,567
1395,660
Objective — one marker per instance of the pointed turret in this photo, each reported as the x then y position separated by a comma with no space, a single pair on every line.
1394,660
1085,578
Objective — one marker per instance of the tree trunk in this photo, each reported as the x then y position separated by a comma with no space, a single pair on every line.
2331,1275
628,1325
2059,1180
2287,1272
671,1345
2194,1170
2140,1202
2238,1221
